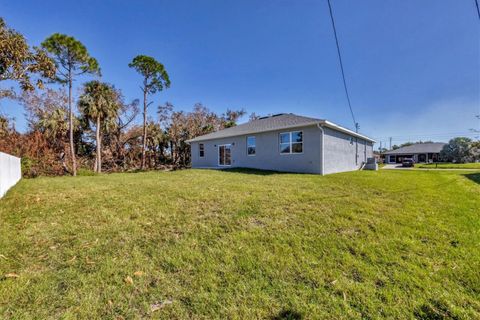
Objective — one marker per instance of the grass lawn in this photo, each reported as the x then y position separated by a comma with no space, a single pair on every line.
449,165
240,245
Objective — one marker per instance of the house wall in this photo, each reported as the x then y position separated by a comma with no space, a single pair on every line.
10,172
267,155
341,151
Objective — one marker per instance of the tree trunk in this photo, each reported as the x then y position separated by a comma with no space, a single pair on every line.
99,147
70,124
144,142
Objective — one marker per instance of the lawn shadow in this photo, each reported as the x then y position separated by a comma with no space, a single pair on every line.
433,310
475,177
287,314
253,171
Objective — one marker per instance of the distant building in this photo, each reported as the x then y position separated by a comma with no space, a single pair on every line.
420,152
283,142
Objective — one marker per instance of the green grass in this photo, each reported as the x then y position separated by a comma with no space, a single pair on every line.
449,165
240,245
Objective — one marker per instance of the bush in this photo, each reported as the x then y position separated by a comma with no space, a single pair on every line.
38,157
458,150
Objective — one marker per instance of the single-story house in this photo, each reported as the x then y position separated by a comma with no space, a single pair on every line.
283,142
420,152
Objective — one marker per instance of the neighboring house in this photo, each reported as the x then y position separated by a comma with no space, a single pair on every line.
283,142
420,152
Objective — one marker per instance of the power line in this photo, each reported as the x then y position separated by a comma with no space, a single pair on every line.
478,8
355,123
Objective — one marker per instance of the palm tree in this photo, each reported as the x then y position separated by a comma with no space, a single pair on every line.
54,124
99,104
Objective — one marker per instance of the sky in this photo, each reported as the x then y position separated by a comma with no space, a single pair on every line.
412,67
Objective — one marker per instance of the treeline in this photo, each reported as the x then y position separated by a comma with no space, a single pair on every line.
95,130
461,150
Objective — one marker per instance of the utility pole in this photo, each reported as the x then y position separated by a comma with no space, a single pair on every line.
477,130
390,143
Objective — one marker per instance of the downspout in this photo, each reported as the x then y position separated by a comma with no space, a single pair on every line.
322,166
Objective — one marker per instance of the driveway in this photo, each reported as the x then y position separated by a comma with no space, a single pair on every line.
397,166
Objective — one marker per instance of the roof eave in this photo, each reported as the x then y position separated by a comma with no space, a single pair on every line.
319,122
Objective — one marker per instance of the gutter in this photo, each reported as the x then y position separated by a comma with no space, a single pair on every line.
322,167
345,130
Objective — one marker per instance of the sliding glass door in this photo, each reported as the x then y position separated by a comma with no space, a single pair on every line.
225,155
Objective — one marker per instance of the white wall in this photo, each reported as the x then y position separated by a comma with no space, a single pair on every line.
10,172
341,153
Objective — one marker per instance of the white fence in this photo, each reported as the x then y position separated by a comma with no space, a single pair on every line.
10,172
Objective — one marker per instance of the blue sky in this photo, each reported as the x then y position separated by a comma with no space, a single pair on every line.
413,67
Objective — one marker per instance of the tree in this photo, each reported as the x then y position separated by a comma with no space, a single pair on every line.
4,125
406,144
71,59
99,104
120,137
253,116
155,78
46,112
18,62
182,126
457,150
475,150
231,117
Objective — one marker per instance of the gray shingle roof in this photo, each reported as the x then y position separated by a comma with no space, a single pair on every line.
271,123
429,147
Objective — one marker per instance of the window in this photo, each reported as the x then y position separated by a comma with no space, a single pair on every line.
291,142
251,146
201,150
391,159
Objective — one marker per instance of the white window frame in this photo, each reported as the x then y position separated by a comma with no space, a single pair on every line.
291,142
218,155
201,148
254,146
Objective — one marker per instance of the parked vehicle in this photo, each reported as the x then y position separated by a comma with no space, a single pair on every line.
408,162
